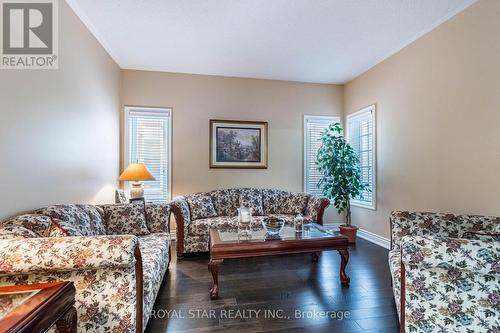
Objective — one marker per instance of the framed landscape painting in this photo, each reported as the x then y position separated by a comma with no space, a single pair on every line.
238,144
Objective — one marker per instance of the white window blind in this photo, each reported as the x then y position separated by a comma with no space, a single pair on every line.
148,140
313,126
361,136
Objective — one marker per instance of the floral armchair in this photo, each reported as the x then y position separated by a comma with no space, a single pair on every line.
196,214
445,270
117,271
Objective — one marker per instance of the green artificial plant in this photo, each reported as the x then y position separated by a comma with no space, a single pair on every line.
339,166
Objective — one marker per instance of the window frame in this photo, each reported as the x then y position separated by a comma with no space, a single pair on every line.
125,150
373,110
305,159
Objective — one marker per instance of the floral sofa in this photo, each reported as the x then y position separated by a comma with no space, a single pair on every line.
195,214
446,271
116,256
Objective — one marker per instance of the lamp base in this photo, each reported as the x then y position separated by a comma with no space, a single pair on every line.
136,191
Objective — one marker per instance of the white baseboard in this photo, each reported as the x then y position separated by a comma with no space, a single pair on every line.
374,238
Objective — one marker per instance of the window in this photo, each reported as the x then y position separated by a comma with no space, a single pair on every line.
313,126
361,136
148,140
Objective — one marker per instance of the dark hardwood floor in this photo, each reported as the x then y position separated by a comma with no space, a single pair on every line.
254,290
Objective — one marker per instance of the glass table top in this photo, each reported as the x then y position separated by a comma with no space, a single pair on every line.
258,234
10,301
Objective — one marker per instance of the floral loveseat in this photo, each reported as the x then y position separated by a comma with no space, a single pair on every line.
446,271
195,214
116,255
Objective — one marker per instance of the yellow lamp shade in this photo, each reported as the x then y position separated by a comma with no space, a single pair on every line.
136,172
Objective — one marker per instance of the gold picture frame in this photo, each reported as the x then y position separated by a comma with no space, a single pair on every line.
238,144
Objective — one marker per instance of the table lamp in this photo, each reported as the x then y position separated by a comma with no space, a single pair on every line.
136,172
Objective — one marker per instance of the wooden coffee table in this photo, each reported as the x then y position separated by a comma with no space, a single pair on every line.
314,239
38,307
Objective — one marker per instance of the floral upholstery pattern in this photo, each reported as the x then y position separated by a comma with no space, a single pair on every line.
225,202
201,206
155,251
452,285
273,200
35,222
87,219
482,235
395,268
158,217
60,228
195,232
295,203
448,225
313,206
252,198
15,231
120,196
180,204
125,219
101,267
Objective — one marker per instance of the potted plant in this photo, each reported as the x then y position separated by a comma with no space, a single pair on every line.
341,176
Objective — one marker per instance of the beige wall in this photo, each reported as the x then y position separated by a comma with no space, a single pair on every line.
59,129
197,98
438,119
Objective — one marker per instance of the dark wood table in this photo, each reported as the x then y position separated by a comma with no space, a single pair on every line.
314,239
38,307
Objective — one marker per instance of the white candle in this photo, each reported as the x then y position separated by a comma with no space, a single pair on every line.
245,216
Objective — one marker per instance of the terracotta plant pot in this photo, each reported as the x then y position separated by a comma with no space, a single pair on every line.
349,231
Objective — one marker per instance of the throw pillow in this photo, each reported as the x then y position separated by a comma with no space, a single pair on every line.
125,219
252,198
225,202
201,206
35,222
85,218
61,228
295,203
272,201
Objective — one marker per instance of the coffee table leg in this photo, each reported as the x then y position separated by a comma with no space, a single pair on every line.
344,258
213,267
315,256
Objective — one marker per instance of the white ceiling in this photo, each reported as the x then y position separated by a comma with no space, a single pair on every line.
323,41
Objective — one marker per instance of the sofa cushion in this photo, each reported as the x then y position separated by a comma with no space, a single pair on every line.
273,200
201,206
37,223
86,219
15,231
155,258
60,228
295,203
225,202
202,226
125,219
157,217
252,198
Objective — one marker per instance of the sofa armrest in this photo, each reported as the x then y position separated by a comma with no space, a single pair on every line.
477,256
53,254
158,217
315,208
179,206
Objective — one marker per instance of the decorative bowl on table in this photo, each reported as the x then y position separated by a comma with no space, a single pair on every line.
273,225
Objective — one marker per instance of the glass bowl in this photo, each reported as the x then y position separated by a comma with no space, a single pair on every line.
273,225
